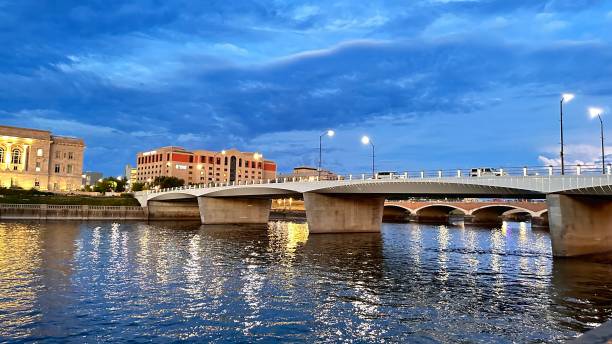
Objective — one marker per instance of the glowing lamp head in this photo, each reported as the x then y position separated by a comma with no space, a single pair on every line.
567,97
365,140
223,152
594,112
331,133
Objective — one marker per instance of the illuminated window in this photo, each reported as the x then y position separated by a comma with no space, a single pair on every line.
38,166
39,152
16,157
1,155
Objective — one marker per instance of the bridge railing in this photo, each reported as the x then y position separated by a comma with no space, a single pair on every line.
524,171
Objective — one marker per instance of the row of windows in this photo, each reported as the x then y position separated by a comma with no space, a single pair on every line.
69,155
57,168
15,156
202,160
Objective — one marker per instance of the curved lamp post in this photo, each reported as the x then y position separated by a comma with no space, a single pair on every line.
596,112
329,133
565,98
366,140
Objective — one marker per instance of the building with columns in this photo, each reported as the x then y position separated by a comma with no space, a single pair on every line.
31,158
203,167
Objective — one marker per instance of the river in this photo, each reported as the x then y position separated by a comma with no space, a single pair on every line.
161,282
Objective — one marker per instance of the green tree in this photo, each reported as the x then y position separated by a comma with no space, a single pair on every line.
110,184
167,182
138,186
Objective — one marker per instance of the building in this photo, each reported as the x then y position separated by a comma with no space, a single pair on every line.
31,158
91,178
202,167
309,173
131,174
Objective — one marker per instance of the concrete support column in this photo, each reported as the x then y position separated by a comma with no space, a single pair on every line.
580,225
234,210
343,214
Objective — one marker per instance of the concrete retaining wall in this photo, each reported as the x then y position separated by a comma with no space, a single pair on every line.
70,212
174,210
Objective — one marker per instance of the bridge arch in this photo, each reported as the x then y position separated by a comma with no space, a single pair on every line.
493,213
396,213
438,212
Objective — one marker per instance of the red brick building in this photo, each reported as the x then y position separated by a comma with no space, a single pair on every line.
201,167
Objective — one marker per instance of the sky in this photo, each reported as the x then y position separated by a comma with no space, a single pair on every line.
436,84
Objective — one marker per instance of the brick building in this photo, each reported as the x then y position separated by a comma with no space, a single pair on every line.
202,167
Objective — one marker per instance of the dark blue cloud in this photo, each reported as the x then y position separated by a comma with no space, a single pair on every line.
221,73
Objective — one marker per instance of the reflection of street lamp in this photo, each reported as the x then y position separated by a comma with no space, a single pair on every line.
329,133
366,140
566,97
596,112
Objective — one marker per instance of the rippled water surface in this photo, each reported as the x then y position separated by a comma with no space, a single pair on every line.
85,282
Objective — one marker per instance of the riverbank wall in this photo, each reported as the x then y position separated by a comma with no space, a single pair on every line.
70,212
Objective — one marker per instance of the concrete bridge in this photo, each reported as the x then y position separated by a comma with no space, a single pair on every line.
580,206
474,212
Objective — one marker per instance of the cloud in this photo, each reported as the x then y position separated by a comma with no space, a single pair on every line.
577,154
218,74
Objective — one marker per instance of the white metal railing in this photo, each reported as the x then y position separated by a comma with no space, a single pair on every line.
525,171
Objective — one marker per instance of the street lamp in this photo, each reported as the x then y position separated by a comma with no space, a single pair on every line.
596,112
366,140
329,133
565,97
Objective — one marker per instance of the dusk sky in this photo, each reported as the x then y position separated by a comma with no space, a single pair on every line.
434,83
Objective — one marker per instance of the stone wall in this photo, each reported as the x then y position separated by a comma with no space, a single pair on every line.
70,212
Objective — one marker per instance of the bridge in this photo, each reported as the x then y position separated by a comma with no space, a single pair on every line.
579,206
474,212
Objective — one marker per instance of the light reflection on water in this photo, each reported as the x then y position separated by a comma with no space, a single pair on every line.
80,282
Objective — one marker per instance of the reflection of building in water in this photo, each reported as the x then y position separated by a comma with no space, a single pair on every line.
358,265
19,264
36,275
288,235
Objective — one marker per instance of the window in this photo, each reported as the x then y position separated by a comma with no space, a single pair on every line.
1,155
57,168
38,166
70,155
36,183
39,152
57,154
69,169
16,157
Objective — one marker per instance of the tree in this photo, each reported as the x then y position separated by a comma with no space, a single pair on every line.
138,186
110,184
167,182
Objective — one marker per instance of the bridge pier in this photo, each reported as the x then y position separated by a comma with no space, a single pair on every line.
234,210
580,225
343,214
